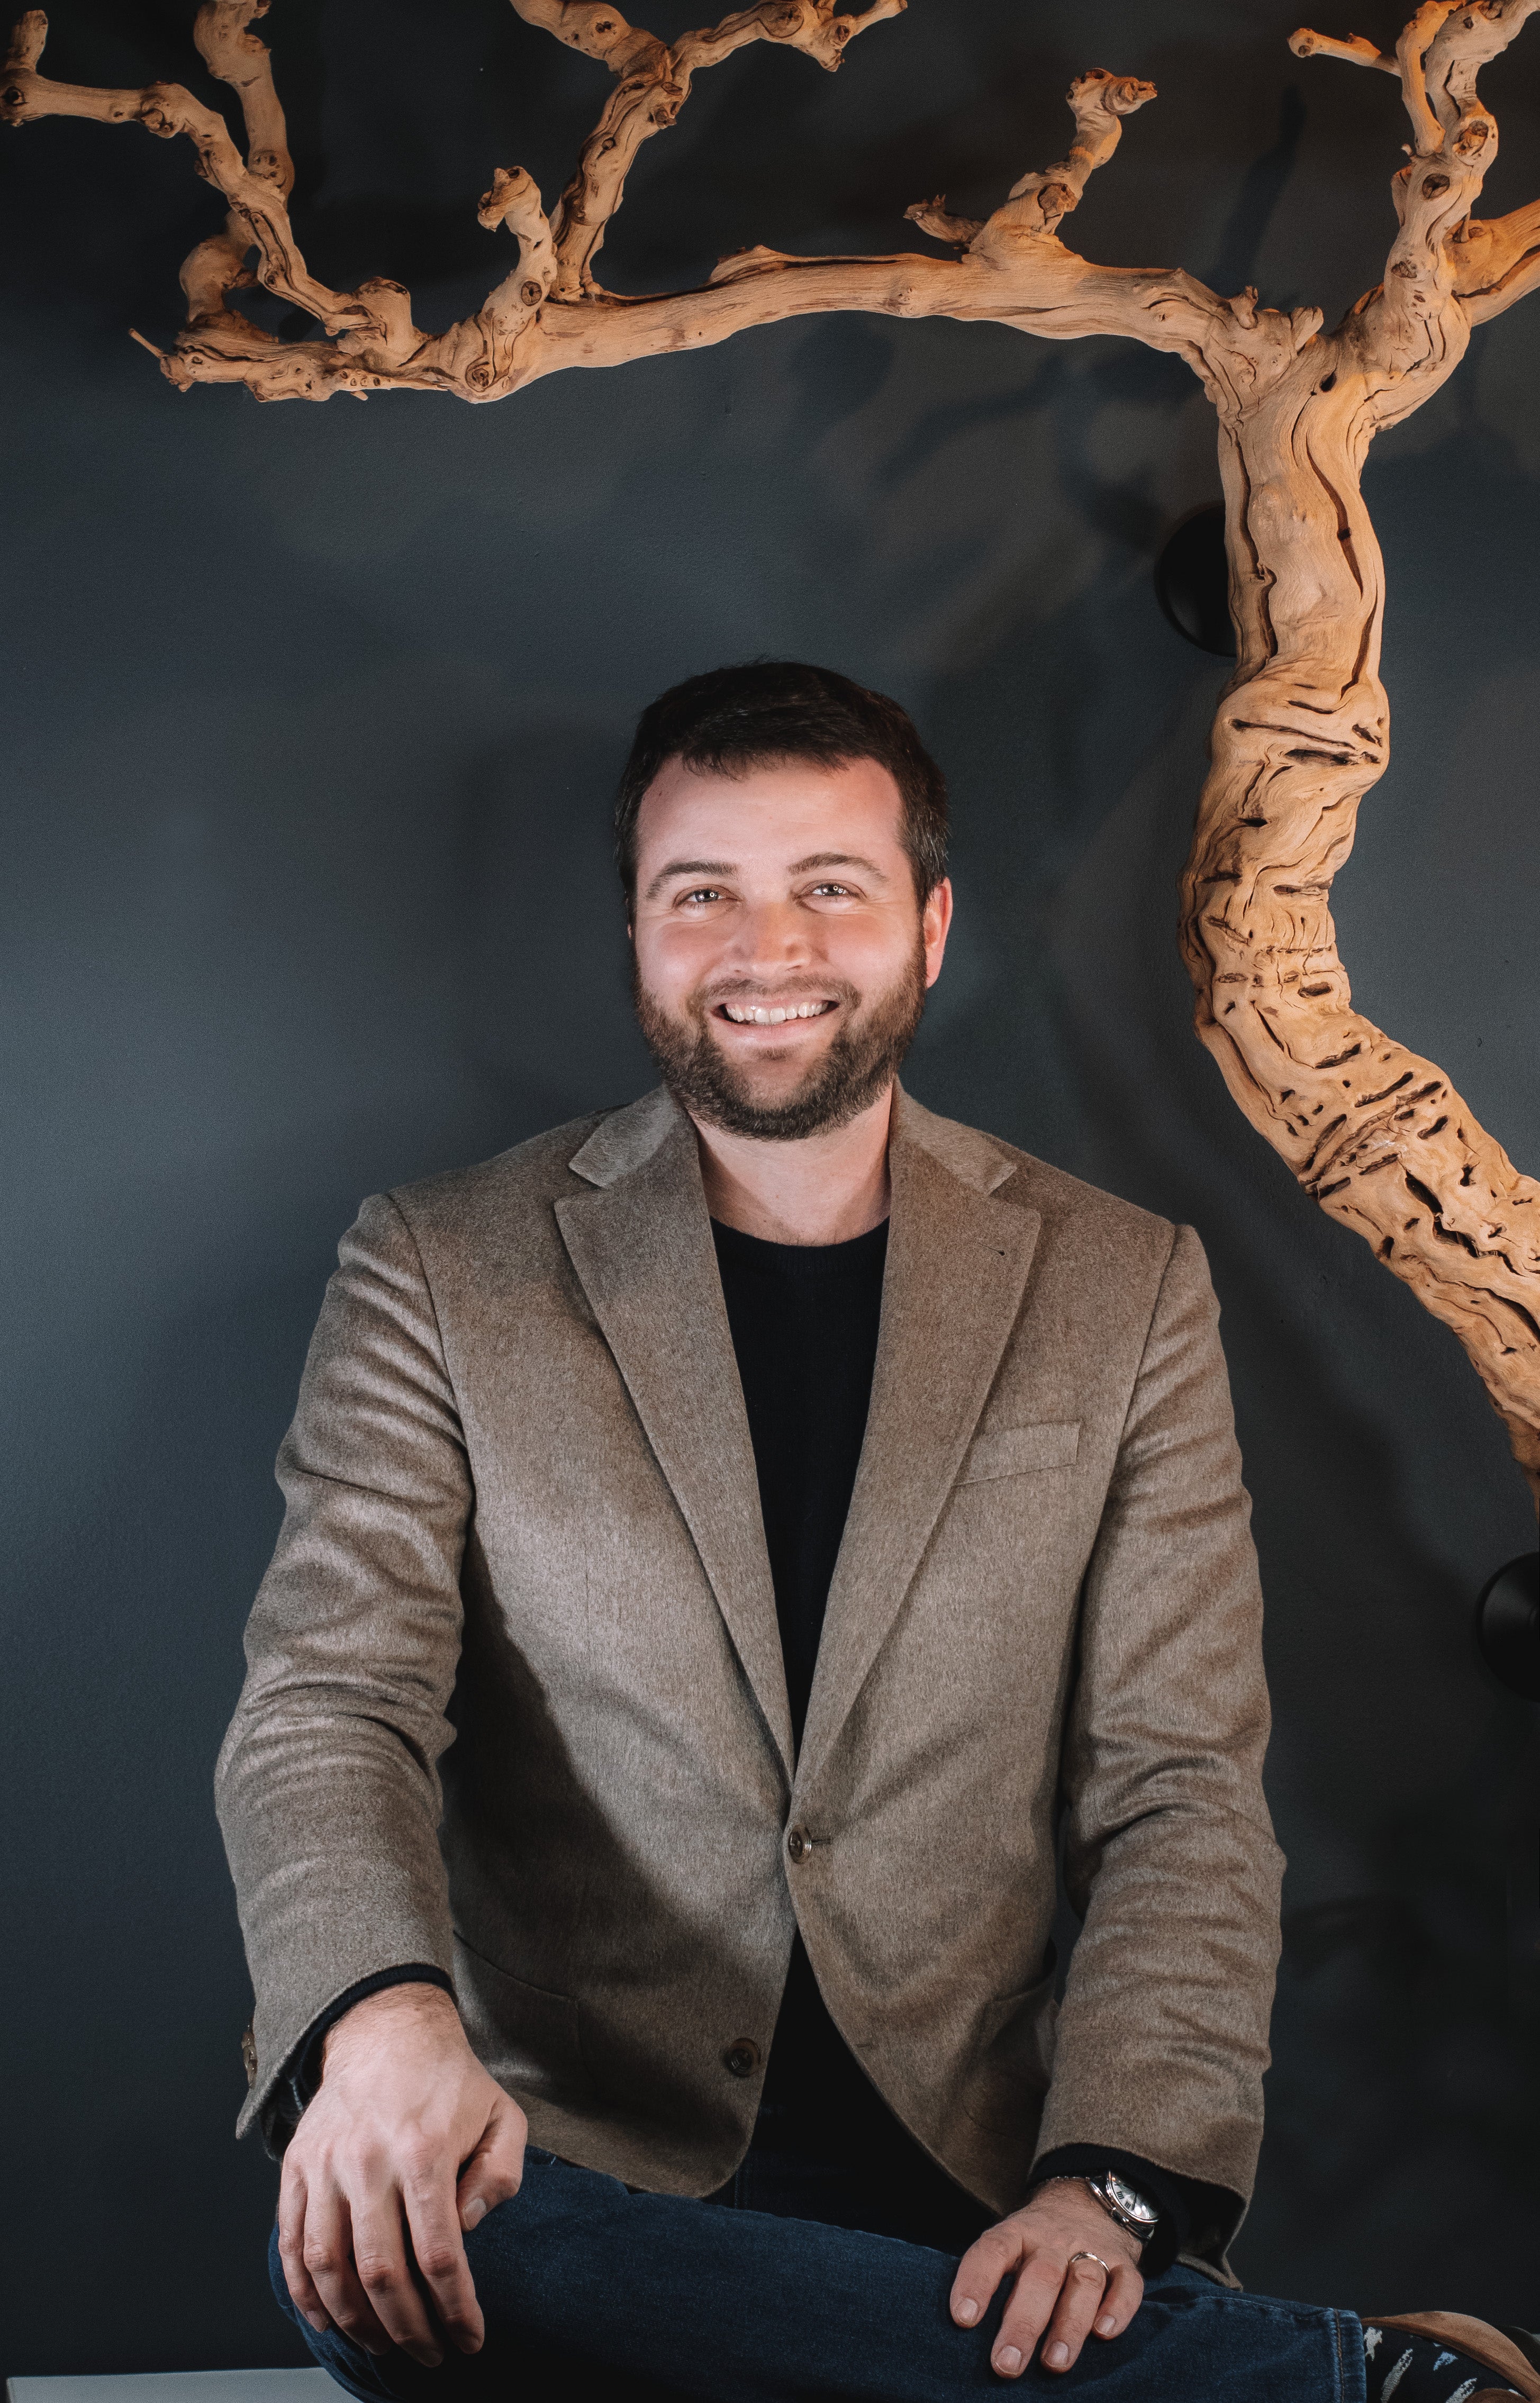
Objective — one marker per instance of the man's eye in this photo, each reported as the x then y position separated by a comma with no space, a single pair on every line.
702,893
839,891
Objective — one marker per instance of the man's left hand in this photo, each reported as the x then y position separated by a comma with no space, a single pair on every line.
1055,2297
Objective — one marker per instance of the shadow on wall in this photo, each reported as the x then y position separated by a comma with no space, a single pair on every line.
544,898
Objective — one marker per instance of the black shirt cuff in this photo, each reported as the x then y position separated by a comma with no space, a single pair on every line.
297,2081
1179,2201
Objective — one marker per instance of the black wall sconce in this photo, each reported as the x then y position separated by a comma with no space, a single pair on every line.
1192,581
1508,1626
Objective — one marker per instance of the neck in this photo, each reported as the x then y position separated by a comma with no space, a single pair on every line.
825,1189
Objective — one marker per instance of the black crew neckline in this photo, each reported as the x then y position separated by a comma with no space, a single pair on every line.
757,1254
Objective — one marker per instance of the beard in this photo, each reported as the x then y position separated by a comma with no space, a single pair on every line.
859,1064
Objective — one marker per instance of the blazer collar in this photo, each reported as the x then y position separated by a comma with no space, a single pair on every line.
628,1138
959,1250
641,1244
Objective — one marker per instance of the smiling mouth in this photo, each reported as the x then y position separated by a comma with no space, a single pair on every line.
748,1013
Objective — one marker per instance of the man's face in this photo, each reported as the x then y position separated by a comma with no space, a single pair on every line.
781,957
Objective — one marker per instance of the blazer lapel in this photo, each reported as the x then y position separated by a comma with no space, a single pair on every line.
642,1247
956,1271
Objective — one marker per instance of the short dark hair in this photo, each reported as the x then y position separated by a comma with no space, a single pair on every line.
732,721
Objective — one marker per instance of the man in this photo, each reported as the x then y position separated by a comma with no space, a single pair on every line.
770,1511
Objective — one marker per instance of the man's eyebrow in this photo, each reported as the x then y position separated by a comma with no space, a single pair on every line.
837,859
687,868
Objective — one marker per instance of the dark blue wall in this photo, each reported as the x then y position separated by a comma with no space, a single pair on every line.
310,718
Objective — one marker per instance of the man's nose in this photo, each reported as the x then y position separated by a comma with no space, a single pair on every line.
772,938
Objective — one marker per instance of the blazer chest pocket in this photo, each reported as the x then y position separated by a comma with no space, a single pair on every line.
1013,1452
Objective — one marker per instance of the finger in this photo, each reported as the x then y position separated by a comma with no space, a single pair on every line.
327,2253
291,2243
1027,2314
385,2274
1121,2300
992,2257
439,2252
494,2172
1080,2297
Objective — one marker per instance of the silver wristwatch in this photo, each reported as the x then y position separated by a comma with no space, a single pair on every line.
1123,2203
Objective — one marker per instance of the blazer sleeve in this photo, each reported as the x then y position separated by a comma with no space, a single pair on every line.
1170,1858
327,1782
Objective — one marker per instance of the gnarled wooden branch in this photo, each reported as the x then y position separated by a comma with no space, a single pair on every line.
1013,271
374,343
1376,1135
1040,199
231,51
653,84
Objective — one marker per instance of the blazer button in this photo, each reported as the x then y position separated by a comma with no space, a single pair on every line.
741,2060
800,1843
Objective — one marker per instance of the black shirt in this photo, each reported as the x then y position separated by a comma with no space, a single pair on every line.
804,1320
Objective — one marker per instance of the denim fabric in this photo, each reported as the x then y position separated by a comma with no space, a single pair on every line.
592,2291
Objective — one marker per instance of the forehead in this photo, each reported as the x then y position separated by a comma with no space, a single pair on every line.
772,815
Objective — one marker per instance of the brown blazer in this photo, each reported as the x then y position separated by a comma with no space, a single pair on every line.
516,1703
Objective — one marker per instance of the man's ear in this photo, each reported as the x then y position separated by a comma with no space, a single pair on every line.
936,922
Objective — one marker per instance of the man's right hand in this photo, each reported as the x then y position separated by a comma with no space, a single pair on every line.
407,2144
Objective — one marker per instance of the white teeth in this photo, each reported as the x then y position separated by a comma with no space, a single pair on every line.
754,1016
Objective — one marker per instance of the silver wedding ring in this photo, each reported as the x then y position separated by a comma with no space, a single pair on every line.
1105,2267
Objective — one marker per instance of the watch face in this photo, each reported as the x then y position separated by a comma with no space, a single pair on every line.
1129,2199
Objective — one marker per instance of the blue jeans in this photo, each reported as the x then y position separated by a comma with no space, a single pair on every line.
594,2294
